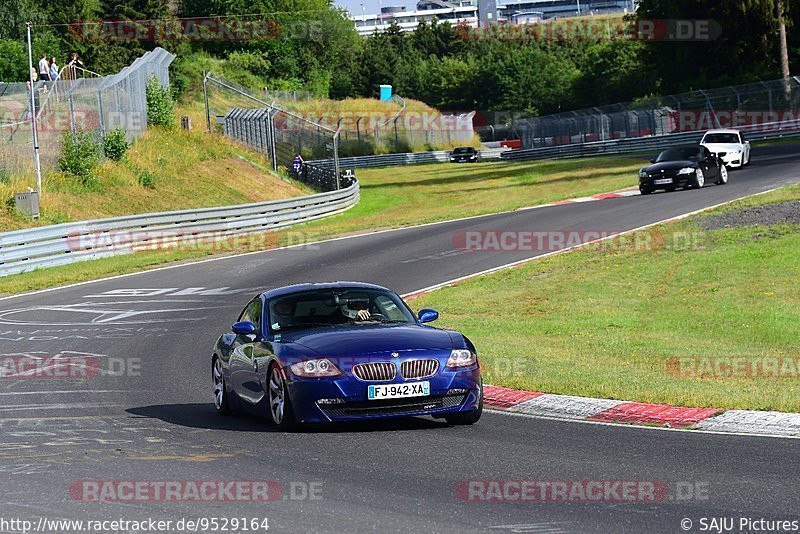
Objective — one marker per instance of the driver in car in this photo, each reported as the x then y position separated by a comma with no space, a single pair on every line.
284,313
356,310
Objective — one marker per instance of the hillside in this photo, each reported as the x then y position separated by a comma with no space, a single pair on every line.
163,170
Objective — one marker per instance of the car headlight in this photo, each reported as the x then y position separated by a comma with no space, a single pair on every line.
642,174
686,170
315,368
461,358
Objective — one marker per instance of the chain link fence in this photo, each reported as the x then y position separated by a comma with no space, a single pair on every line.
288,96
756,107
406,130
77,104
279,134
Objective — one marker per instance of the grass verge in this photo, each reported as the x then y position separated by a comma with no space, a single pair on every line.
614,320
390,198
162,171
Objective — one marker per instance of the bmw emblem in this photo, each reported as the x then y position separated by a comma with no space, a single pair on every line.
395,355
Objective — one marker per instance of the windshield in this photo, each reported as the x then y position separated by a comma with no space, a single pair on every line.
679,154
721,138
328,307
464,150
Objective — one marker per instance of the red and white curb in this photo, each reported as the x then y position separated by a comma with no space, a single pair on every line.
640,413
602,196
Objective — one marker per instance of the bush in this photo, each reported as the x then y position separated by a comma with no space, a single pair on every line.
160,104
256,63
14,67
147,180
116,144
80,154
5,175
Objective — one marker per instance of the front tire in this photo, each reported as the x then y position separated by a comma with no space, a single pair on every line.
723,175
466,418
280,404
645,190
221,401
699,179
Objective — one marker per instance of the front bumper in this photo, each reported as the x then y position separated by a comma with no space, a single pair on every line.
657,181
733,160
450,392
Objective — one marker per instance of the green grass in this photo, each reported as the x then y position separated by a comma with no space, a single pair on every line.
606,321
162,171
400,196
390,198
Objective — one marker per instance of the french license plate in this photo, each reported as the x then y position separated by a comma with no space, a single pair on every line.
662,181
398,391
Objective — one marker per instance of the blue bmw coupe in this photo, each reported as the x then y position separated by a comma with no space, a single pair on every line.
343,351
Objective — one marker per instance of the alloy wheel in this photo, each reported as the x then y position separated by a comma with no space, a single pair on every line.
277,396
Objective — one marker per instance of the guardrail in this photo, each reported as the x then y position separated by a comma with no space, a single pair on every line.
408,158
60,244
763,132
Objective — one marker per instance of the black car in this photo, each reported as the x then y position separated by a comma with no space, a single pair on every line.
464,154
683,166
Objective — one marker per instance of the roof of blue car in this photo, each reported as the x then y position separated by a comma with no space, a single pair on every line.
285,290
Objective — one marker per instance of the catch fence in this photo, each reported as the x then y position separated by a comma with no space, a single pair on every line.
758,108
281,135
77,101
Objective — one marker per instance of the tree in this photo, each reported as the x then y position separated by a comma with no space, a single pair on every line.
13,16
14,67
746,50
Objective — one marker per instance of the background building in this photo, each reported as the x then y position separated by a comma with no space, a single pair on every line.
470,12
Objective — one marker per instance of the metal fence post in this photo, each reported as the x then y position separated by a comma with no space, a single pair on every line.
101,115
336,159
71,113
273,133
205,97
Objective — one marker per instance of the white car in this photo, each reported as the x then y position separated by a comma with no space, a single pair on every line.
732,143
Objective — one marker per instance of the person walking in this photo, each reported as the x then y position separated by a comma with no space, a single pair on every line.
44,69
53,69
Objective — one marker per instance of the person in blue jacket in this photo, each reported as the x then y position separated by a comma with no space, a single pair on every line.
297,165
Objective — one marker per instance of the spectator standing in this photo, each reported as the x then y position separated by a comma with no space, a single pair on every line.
73,65
44,69
53,69
297,165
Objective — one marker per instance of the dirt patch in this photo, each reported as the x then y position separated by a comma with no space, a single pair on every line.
767,215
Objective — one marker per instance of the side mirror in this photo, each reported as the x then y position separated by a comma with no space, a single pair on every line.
244,328
653,160
426,315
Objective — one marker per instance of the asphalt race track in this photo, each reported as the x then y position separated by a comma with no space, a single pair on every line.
148,415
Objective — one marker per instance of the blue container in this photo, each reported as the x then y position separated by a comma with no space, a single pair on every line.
386,92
